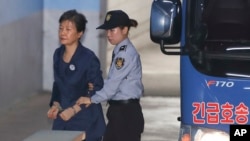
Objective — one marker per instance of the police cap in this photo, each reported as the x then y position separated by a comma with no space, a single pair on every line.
114,19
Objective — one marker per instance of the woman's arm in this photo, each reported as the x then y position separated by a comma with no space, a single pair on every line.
94,76
54,104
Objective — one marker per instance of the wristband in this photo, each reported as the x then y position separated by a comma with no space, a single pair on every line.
58,107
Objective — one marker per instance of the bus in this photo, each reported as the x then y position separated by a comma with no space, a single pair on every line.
212,38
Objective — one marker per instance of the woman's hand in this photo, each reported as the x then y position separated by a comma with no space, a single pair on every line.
53,111
67,114
80,137
70,112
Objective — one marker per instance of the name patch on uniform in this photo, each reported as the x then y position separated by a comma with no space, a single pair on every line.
119,63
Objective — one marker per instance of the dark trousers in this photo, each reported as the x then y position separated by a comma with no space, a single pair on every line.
125,122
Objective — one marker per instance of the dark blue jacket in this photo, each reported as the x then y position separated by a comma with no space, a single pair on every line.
71,82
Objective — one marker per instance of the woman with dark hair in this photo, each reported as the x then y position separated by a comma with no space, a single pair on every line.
74,67
123,88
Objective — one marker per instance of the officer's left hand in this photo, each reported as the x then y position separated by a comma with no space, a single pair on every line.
83,100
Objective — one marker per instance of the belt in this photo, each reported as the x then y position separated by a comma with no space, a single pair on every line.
120,102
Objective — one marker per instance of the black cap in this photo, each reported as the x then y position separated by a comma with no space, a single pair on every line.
114,19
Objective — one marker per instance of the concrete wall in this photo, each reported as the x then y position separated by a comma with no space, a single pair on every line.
20,50
140,11
52,12
28,37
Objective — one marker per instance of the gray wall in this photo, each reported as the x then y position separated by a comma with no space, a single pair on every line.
28,38
52,12
20,50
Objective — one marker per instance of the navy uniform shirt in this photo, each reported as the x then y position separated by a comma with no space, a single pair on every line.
70,83
124,79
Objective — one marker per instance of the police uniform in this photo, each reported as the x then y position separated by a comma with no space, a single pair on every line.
123,89
71,82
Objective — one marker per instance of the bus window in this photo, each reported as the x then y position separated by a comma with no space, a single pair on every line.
218,37
227,19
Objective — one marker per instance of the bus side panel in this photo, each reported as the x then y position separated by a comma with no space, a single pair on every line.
212,102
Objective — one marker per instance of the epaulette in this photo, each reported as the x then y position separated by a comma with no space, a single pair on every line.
123,48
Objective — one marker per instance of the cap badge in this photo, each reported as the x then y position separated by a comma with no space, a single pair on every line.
108,17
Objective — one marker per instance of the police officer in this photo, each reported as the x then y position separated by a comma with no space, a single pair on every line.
123,86
74,67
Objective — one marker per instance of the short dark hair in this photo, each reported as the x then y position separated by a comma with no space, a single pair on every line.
75,17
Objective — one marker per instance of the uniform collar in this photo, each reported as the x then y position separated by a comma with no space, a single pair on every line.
122,43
